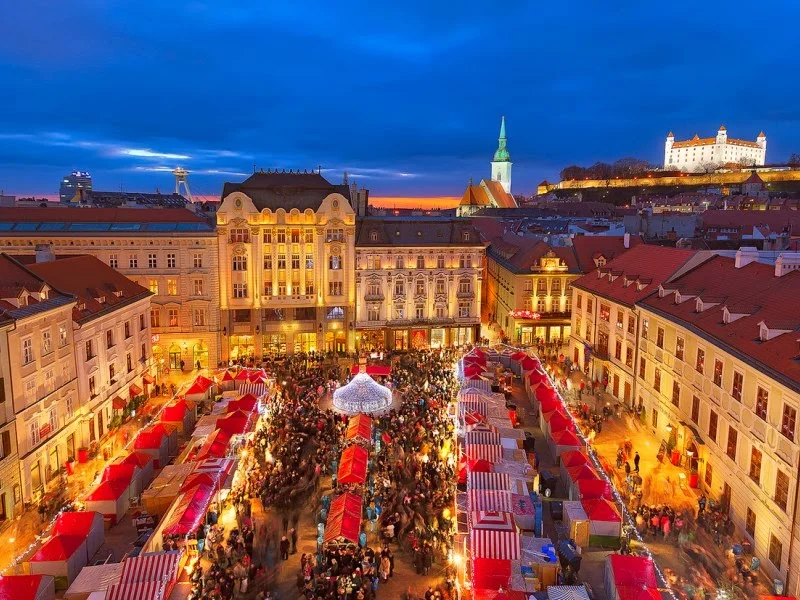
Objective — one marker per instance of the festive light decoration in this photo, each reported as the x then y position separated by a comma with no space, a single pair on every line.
362,395
524,314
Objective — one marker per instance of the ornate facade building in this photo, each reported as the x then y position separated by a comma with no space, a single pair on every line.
418,282
286,256
170,251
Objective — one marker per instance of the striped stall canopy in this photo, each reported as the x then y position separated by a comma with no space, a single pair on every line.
158,566
472,396
490,500
492,519
481,427
258,389
574,592
486,436
472,406
144,590
489,543
489,452
480,384
488,481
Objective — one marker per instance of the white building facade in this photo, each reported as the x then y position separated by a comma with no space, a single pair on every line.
702,154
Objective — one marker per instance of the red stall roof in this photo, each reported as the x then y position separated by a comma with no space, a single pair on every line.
20,587
227,376
632,570
148,440
381,370
59,547
246,403
573,458
108,490
359,425
353,465
215,446
490,573
545,392
566,438
190,511
593,489
137,458
76,523
174,412
235,423
242,375
344,518
123,472
601,509
582,472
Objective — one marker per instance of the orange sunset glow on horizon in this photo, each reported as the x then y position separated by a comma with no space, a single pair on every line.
428,202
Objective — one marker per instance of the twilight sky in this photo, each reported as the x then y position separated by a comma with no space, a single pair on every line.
407,96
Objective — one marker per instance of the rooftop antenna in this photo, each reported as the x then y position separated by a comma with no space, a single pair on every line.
180,178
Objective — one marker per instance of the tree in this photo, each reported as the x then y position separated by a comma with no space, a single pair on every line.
707,167
794,160
630,167
572,172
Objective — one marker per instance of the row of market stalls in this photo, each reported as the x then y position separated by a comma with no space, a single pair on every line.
343,524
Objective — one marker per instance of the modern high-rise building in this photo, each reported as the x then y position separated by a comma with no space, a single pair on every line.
72,184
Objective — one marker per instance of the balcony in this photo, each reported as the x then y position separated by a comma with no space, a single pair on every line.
469,294
374,297
601,352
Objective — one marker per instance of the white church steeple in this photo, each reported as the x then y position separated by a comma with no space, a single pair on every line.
501,163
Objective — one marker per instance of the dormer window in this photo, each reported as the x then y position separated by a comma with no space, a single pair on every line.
698,305
82,306
45,294
373,236
465,236
600,261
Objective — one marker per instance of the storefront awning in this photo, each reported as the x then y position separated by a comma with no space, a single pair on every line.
190,511
134,390
148,379
118,403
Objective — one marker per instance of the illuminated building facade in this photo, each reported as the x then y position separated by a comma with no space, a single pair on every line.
170,251
418,282
286,256
698,153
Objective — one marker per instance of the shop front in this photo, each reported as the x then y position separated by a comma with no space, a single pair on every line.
240,346
305,342
530,328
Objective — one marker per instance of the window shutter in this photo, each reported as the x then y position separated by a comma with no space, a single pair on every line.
6,443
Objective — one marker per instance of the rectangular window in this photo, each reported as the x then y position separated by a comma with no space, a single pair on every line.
620,320
172,315
240,262
642,367
419,311
141,322
30,390
605,312
127,329
439,262
695,409
128,362
113,261
589,306
310,262
373,314
709,476
268,288
47,342
281,261
464,309
399,312
762,403
109,338
133,261
440,287
579,302
171,261
775,551
657,379
618,350
679,348
736,388
750,523
335,235
112,370
335,288
781,489
399,263
295,261
419,287
676,394
420,262
441,313
62,336
295,236
755,465
309,236
197,260
34,432
788,421
92,387
654,418
152,261
629,357
89,349
700,363
155,317
268,262
198,287
712,426
200,317
281,288
240,290
645,328
631,325
660,337
240,235
27,351
717,372
267,236
153,286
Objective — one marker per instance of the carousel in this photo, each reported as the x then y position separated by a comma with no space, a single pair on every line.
362,395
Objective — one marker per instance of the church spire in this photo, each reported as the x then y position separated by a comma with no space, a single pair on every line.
501,154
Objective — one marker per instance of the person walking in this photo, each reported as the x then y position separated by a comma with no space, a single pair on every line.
293,537
384,568
636,462
284,547
285,523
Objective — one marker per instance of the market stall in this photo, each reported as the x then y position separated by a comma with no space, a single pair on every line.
628,576
27,587
577,523
353,465
540,554
563,441
247,403
489,453
591,489
494,543
62,556
488,481
111,499
189,511
155,444
170,432
359,428
215,446
181,414
86,524
127,474
144,462
486,435
147,577
165,488
605,522
344,519
490,500
237,422
488,576
94,579
571,459
200,390
226,381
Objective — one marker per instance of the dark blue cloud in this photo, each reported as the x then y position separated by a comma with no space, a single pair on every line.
407,96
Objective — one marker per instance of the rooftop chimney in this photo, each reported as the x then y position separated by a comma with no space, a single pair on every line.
44,253
787,262
745,255
626,240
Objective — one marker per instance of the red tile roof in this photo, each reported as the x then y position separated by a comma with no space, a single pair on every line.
753,289
637,273
501,196
89,279
521,253
99,215
777,220
14,278
589,247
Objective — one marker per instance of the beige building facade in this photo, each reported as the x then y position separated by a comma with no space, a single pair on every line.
418,283
286,257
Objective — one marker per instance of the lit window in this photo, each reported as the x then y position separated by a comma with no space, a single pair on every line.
171,261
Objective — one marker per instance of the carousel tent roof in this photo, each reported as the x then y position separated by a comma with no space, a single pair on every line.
362,395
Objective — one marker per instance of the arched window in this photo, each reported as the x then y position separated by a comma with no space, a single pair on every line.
373,236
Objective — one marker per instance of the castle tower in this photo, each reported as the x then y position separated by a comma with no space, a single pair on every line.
668,148
722,135
762,141
501,163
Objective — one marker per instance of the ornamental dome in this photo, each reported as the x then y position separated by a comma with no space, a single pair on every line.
362,395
